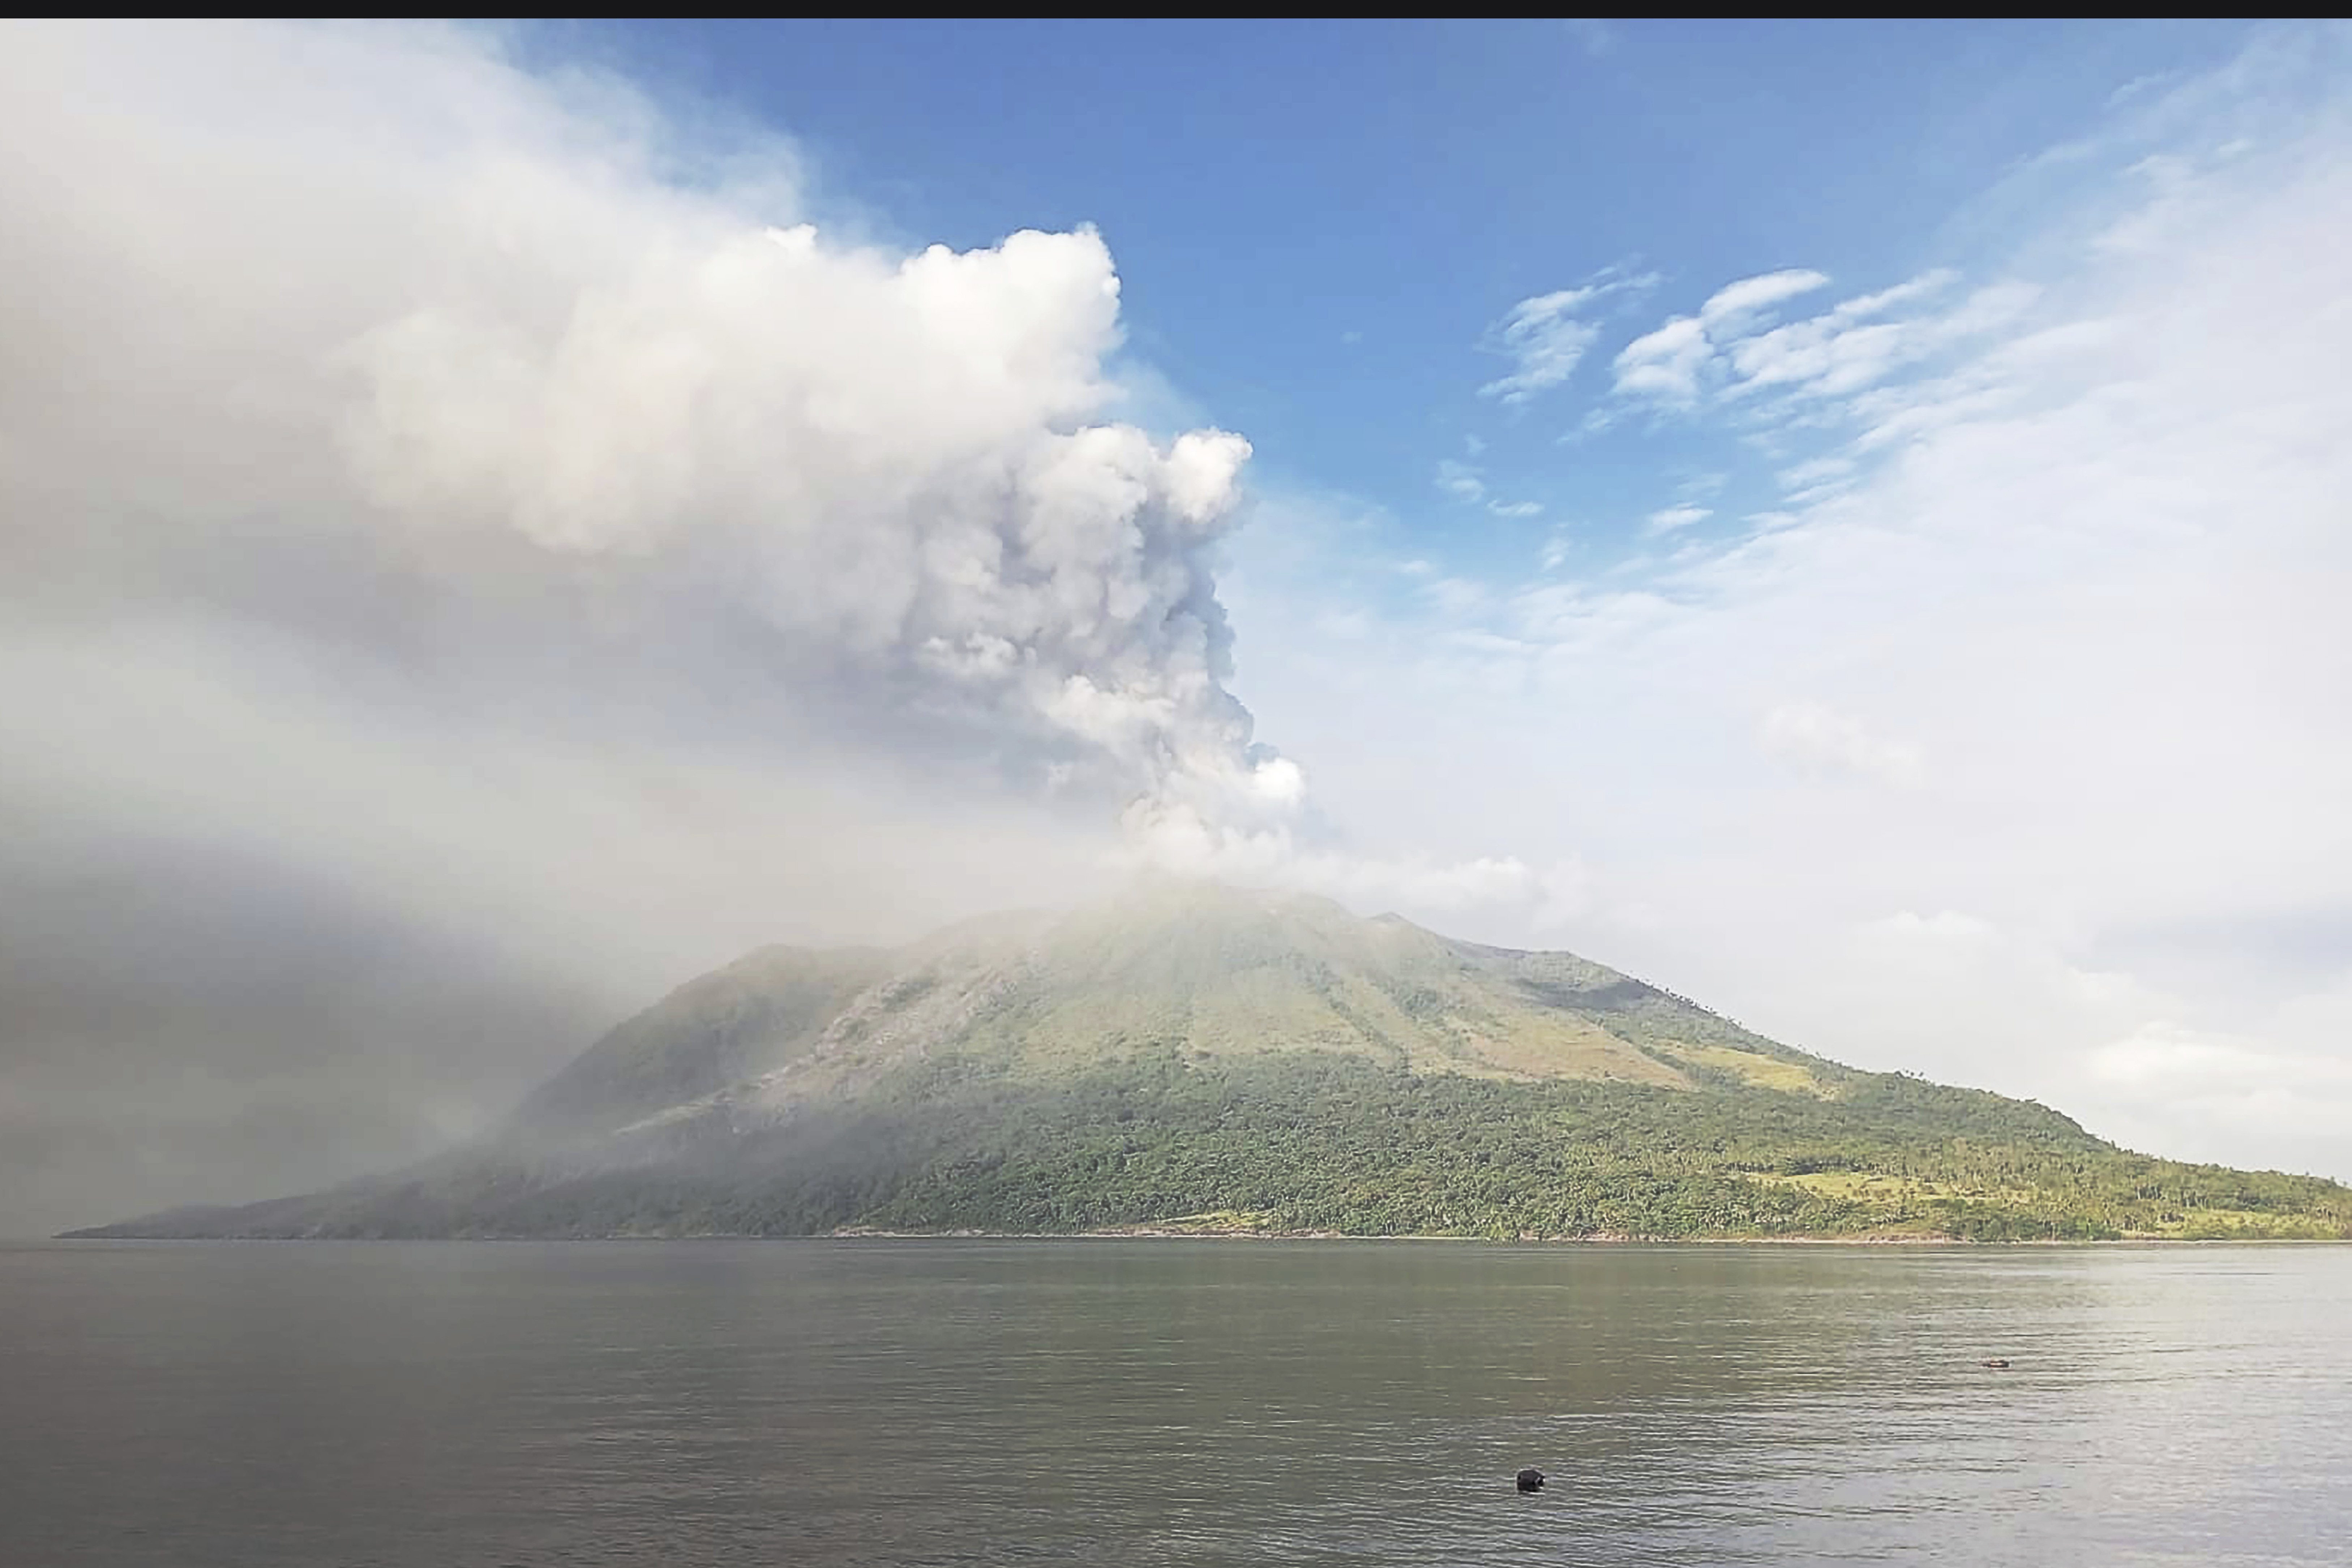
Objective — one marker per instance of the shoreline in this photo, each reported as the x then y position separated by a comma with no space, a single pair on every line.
1158,1234
1150,1233
1606,1239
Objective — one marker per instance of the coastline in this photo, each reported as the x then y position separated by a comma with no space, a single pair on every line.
1163,1233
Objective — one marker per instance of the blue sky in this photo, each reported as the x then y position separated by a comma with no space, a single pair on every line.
1846,519
1320,230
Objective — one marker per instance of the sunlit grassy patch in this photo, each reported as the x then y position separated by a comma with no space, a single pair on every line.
1219,1221
1764,1072
1884,1189
2237,1225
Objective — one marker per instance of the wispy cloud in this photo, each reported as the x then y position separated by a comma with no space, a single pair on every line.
1594,422
1815,471
1467,483
1736,302
1732,349
1816,479
1848,376
1460,480
1674,517
1834,353
2138,85
1547,336
1663,366
1863,306
1594,37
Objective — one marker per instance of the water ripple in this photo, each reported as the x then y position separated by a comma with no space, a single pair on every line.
692,1403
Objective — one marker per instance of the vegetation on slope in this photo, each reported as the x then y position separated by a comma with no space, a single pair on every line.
753,1015
1318,1141
1206,1058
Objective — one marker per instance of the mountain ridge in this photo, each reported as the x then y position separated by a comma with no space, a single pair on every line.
1198,1057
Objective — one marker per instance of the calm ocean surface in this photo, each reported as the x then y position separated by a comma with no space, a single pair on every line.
1114,1403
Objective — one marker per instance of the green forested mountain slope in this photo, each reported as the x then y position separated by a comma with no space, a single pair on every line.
1207,1058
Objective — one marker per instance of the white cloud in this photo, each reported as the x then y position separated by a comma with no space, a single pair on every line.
1664,364
1815,480
1673,516
1815,471
1813,494
1736,302
1813,735
1926,286
1731,350
1839,371
1595,421
1434,889
1465,482
2206,1094
1460,480
1544,335
2172,1061
1547,337
1832,355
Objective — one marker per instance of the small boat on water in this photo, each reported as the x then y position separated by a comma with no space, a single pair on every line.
1998,1365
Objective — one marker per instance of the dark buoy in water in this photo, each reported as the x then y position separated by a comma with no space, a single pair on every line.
1998,1365
1530,1479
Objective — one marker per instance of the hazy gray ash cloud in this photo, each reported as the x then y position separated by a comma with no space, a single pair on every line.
451,510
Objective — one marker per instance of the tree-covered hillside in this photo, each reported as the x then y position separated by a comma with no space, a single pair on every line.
1313,1141
1211,1060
